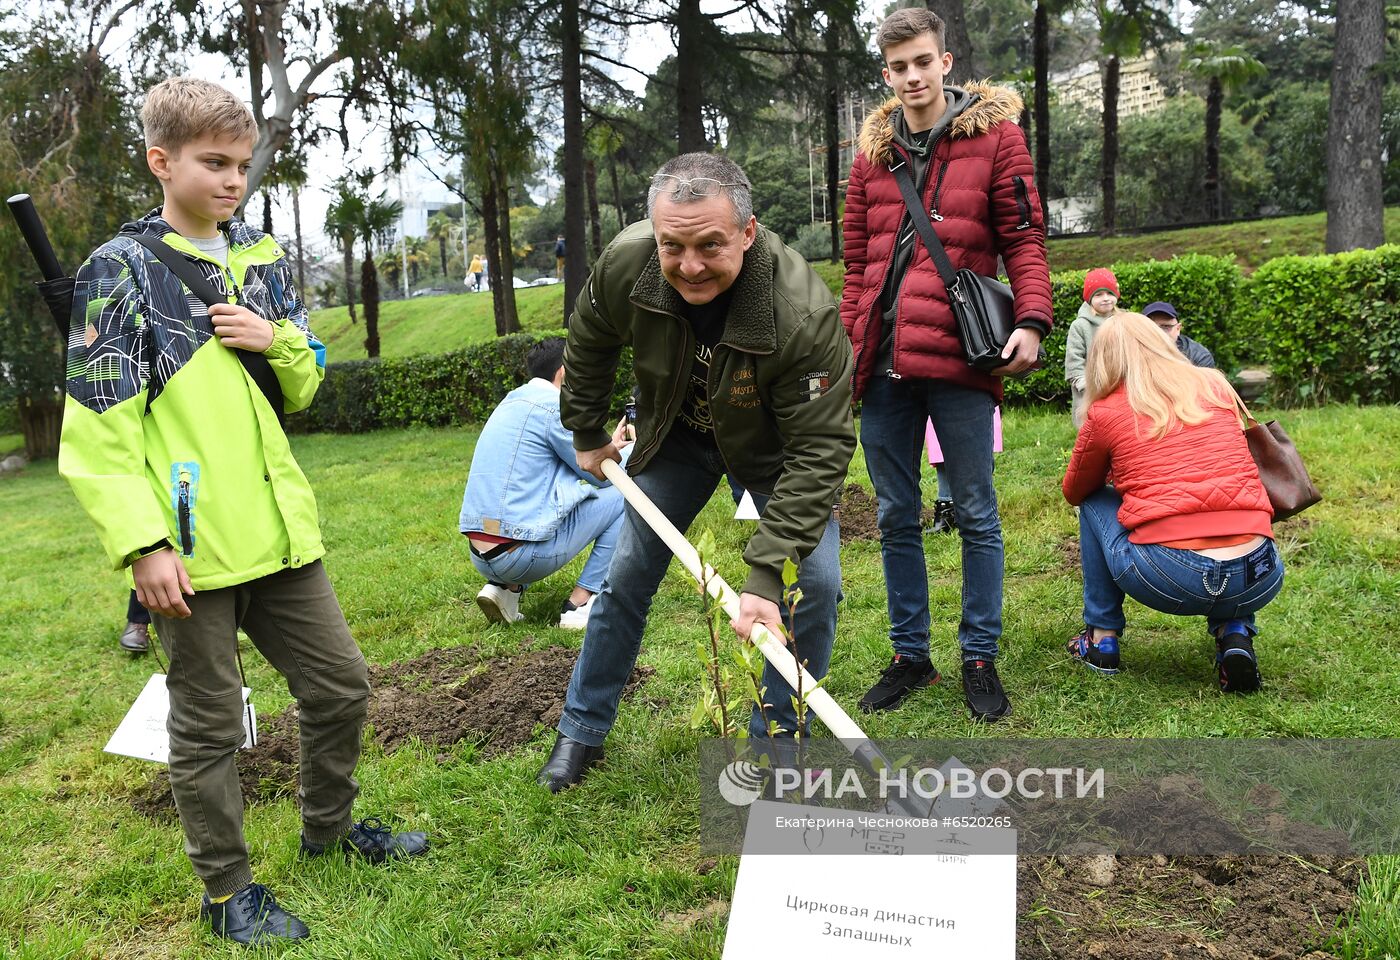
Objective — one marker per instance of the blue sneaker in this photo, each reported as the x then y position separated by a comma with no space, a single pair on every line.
1101,656
1236,665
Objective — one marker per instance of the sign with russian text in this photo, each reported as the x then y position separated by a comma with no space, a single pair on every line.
142,735
915,887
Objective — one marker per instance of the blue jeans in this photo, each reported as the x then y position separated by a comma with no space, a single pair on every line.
597,520
680,485
1165,578
892,434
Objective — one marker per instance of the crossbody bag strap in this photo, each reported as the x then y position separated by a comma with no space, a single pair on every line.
919,217
187,273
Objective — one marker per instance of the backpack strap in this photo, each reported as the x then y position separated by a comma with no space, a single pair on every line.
187,273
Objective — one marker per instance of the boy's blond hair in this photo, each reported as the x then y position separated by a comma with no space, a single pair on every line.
1163,386
182,109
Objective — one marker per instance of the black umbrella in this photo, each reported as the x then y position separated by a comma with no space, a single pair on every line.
56,288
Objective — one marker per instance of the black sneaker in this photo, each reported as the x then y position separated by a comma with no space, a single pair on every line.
982,687
902,677
375,842
1236,665
252,917
944,519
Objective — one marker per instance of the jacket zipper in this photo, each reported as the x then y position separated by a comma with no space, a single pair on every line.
183,515
935,216
1023,202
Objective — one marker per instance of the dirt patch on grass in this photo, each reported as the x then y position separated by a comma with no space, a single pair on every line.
441,697
858,514
1160,908
1232,907
1069,553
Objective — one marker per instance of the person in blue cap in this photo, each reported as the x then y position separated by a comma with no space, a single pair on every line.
1164,315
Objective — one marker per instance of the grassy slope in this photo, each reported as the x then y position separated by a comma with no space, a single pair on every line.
440,324
1250,243
434,324
518,873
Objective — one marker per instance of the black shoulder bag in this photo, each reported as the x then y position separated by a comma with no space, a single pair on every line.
983,307
255,363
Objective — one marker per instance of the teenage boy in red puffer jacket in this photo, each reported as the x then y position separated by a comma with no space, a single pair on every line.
969,160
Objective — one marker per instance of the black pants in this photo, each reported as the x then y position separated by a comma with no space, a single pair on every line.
135,613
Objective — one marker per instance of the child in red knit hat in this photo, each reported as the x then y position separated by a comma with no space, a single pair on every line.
1100,303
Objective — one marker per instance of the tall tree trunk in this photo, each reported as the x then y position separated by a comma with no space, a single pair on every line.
267,212
369,292
1355,216
491,227
1214,95
830,109
348,247
301,247
41,422
690,72
956,38
507,258
442,253
1109,226
575,238
617,194
1041,55
590,180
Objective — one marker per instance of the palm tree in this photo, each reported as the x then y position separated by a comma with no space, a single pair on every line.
390,267
342,222
441,229
418,257
1223,68
377,220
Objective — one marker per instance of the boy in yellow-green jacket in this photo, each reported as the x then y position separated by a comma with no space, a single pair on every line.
182,463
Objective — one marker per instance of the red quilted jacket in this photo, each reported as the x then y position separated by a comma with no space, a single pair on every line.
1197,481
990,207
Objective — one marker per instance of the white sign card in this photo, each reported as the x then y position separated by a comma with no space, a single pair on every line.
847,887
746,509
142,734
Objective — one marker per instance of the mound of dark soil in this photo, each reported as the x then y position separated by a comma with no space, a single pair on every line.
441,697
858,514
1160,908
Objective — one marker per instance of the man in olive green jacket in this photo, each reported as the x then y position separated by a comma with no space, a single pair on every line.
742,367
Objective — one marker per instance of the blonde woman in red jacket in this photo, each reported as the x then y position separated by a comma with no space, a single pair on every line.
1185,526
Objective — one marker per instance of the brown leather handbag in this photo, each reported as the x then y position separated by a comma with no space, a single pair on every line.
1285,478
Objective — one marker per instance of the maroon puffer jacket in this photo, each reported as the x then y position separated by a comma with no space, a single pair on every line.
1197,481
989,206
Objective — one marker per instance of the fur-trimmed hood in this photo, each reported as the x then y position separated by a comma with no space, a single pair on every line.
992,106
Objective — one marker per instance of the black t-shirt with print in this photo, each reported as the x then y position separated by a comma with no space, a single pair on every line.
707,321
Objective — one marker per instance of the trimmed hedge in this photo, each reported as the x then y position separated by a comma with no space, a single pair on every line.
430,390
1328,327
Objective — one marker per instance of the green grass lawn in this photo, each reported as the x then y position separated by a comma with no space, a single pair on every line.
450,322
609,869
433,324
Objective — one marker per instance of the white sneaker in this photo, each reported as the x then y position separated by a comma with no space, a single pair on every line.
576,618
499,604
